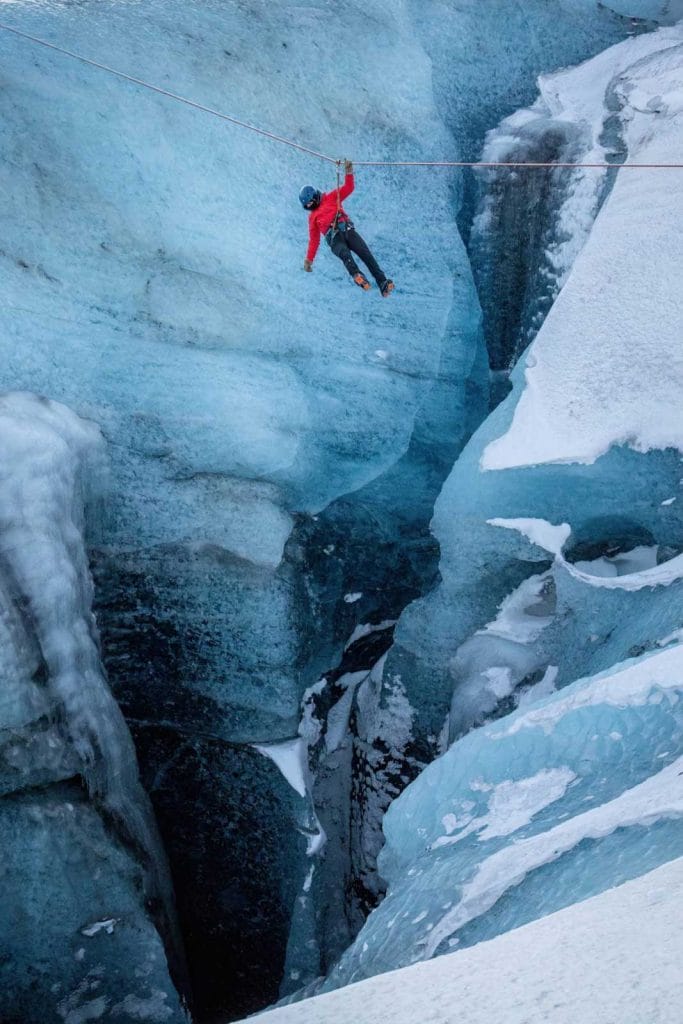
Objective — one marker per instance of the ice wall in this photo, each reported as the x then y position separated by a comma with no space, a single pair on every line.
80,858
549,806
604,461
560,533
152,280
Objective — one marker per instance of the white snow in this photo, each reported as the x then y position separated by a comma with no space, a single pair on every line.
308,880
316,841
352,598
338,715
107,925
543,688
638,559
671,638
538,531
366,628
516,619
623,572
290,757
608,370
513,805
659,575
628,684
310,726
613,959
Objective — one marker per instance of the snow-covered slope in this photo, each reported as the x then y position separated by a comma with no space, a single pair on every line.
613,958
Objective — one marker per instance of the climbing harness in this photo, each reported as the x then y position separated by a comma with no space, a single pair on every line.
516,164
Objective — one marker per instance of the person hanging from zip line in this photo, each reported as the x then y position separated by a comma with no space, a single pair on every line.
327,217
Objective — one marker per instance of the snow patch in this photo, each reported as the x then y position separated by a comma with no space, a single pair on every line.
514,804
366,628
290,758
538,531
629,684
107,925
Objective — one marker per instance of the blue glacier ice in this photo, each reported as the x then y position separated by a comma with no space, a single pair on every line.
598,455
545,807
80,857
561,535
276,442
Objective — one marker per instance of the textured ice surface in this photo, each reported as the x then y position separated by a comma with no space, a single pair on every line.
613,957
551,573
576,513
523,816
70,872
152,280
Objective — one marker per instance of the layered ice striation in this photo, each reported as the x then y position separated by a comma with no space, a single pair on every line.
526,815
277,439
80,858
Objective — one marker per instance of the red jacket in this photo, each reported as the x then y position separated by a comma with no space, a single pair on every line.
320,219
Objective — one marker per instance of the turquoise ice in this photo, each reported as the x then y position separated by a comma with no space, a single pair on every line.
545,807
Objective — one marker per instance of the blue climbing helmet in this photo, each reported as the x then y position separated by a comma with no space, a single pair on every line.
309,197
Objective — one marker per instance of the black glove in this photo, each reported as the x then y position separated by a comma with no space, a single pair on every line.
308,266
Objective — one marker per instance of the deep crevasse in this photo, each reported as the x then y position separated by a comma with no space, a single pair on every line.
152,281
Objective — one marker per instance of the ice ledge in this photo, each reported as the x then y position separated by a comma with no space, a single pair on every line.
606,959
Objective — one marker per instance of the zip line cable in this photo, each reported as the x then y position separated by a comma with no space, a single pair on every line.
530,164
165,92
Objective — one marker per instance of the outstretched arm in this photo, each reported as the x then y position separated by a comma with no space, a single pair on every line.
347,187
313,239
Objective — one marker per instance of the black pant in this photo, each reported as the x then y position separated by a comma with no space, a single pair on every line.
343,243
